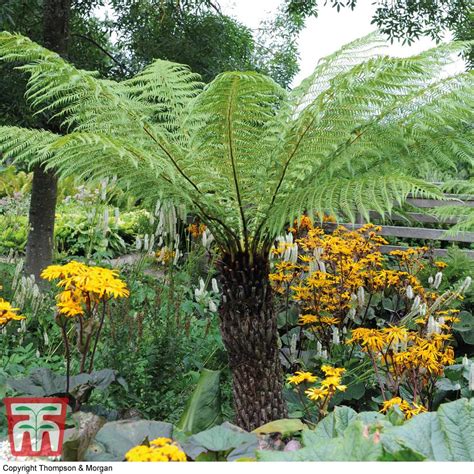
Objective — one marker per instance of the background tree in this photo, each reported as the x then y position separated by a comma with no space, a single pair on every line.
49,22
248,157
193,32
197,33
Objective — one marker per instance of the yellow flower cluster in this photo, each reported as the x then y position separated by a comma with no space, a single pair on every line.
326,388
84,286
196,230
336,275
408,409
404,352
301,377
165,255
410,359
159,450
8,313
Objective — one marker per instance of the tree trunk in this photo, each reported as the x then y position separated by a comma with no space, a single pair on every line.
40,244
250,335
39,248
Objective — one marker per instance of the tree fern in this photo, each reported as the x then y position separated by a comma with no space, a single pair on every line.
361,133
244,154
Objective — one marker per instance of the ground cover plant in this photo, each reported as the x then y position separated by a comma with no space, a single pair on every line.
207,305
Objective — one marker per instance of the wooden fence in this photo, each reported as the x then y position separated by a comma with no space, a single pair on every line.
423,233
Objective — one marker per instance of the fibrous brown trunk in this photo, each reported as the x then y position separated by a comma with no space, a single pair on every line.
250,335
40,244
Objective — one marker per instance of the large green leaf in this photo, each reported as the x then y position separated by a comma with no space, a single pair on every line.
465,326
114,439
43,382
220,439
445,435
285,426
353,445
203,409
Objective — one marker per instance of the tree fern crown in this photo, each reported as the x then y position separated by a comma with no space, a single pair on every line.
360,133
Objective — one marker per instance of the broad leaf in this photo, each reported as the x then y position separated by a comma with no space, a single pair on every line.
445,435
114,439
203,409
285,427
221,439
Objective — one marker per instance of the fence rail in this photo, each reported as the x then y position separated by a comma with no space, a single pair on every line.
422,233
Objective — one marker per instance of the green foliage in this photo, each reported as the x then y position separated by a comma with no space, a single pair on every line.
242,136
398,19
13,233
115,438
285,427
43,382
218,443
203,408
159,342
445,435
12,181
344,435
199,34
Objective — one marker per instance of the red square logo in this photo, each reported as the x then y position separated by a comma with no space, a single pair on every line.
36,425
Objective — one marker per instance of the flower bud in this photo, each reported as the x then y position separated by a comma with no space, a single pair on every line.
416,303
138,243
410,294
361,296
215,288
437,280
466,284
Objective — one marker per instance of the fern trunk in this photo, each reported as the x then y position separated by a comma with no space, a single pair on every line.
249,332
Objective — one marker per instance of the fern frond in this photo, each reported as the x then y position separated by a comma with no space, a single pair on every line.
360,134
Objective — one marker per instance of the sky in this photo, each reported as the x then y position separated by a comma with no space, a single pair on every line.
326,33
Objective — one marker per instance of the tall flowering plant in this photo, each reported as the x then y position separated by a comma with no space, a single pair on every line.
86,292
355,301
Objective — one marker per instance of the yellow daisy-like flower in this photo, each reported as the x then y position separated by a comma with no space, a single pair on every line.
332,371
333,383
395,334
316,394
77,278
301,377
56,272
159,442
391,403
307,319
8,313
